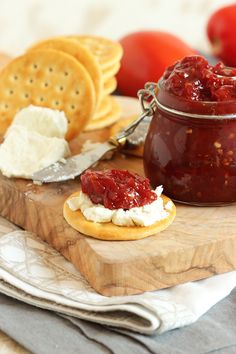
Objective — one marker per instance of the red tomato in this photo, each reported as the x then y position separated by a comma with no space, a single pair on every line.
146,56
221,30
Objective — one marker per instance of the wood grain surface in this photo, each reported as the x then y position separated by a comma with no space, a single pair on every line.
9,346
201,242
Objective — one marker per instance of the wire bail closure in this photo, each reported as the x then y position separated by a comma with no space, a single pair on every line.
148,108
147,98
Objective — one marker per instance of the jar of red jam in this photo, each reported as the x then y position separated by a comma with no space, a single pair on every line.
190,147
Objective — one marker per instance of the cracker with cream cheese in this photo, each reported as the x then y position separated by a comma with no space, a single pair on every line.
109,231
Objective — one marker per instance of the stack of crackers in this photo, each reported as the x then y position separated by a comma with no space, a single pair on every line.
74,74
108,55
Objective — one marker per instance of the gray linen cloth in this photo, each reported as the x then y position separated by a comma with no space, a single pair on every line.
45,332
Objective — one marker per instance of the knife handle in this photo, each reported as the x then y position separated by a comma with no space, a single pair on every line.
148,109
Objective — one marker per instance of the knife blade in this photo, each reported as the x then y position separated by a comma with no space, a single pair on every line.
73,166
77,164
129,138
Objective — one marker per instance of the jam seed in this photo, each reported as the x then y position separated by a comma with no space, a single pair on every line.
189,131
230,153
217,145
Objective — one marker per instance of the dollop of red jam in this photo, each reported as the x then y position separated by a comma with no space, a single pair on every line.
193,78
117,189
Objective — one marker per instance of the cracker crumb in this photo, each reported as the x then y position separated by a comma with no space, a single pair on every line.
38,183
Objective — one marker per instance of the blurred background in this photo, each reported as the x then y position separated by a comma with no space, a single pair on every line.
24,21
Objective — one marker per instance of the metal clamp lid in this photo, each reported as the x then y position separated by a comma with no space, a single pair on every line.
147,98
148,108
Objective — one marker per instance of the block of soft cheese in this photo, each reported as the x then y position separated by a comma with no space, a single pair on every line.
42,120
34,141
24,152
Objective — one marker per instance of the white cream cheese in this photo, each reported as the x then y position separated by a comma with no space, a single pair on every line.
139,216
45,121
34,140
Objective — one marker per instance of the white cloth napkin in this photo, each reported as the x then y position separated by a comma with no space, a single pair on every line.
32,271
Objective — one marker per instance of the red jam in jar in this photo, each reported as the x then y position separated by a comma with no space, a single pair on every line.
117,189
191,144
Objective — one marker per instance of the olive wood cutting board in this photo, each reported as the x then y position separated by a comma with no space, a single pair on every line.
201,242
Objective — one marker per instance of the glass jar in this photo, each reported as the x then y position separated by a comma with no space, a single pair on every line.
190,149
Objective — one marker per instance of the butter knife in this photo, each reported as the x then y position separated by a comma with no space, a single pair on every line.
129,137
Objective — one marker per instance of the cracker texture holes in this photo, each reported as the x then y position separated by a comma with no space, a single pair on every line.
38,87
82,54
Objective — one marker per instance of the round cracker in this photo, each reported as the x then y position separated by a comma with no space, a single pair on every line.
47,78
107,51
106,120
109,86
103,108
108,68
80,53
112,232
112,71
4,59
